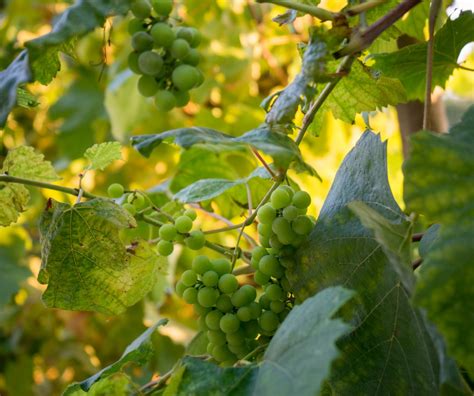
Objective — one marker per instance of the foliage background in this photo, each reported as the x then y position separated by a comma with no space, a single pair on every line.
94,99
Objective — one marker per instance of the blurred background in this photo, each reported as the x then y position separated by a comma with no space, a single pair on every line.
94,99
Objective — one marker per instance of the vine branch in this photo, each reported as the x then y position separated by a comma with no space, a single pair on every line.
317,12
71,191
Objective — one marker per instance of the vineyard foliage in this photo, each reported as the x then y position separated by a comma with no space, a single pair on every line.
209,198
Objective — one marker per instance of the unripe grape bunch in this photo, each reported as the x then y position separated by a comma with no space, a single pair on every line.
164,55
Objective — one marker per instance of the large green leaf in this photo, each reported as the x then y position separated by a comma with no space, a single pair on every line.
40,61
439,182
303,349
84,262
117,385
389,342
277,145
139,352
361,90
409,64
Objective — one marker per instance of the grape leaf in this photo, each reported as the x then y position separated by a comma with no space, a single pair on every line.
117,385
439,178
430,237
279,146
205,378
300,354
409,64
85,263
26,99
390,341
40,61
16,74
205,189
21,162
439,183
102,155
139,351
361,90
24,162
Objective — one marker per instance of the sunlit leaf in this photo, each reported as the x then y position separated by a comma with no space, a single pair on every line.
102,155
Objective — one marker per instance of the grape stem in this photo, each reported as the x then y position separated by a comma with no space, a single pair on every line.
252,354
244,270
47,186
263,162
317,12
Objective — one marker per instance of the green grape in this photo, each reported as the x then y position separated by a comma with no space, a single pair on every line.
180,48
180,288
202,264
162,7
133,62
221,353
183,224
197,37
222,266
224,303
165,248
191,213
274,292
290,212
142,41
285,284
193,58
244,314
115,190
264,302
162,34
165,100
130,208
282,228
258,252
229,323
236,337
260,278
147,86
251,329
302,225
275,242
301,199
280,198
269,265
244,296
189,278
288,189
196,240
216,337
185,34
167,232
228,283
202,324
137,200
210,347
212,319
265,229
190,295
210,278
269,321
201,311
182,98
264,241
150,63
277,306
141,9
185,77
255,310
200,79
135,25
239,350
207,296
266,214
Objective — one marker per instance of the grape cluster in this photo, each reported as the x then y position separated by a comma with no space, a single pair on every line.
180,232
134,201
164,55
228,312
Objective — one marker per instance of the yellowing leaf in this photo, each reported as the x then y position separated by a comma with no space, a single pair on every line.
102,155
